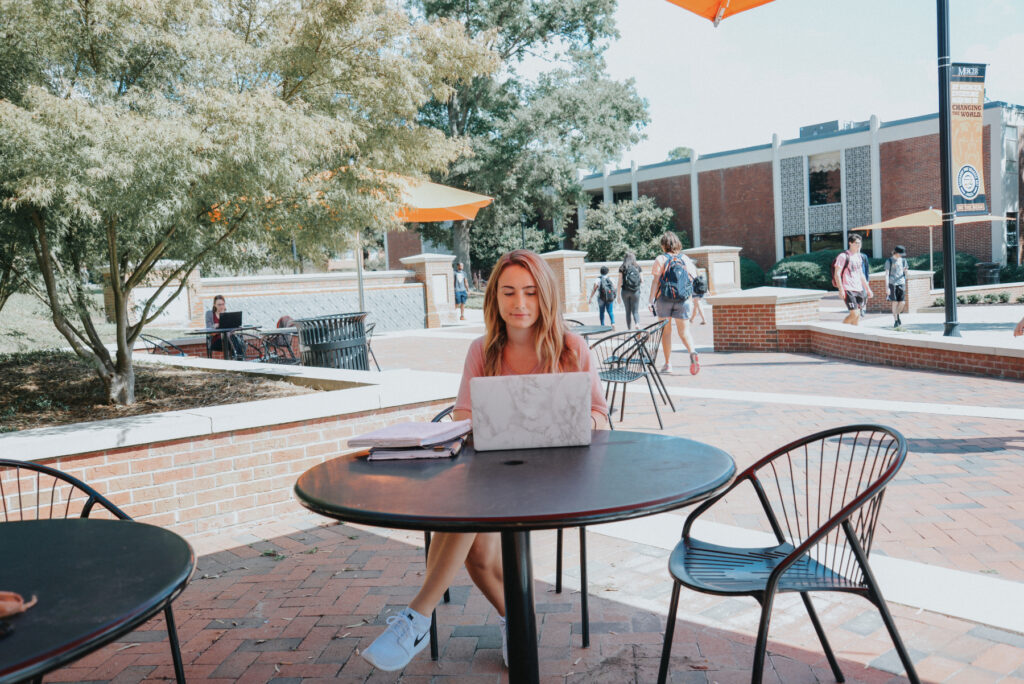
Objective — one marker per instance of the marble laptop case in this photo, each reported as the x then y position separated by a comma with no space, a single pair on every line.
530,411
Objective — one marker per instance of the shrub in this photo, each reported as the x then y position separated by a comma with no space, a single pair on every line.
807,270
1003,297
965,273
989,298
973,299
1020,299
751,274
1011,274
960,299
939,301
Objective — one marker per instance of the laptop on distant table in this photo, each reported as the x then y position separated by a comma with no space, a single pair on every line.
230,319
530,411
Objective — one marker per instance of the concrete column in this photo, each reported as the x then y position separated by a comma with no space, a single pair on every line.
842,185
695,198
609,197
722,265
876,184
807,205
993,118
634,190
435,272
569,271
777,195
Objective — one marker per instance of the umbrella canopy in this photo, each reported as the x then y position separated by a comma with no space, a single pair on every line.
924,219
717,10
426,202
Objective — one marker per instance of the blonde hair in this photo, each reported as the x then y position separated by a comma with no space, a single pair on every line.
670,242
549,330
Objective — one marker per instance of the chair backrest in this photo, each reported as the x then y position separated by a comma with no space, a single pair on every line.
653,344
820,480
572,323
157,345
443,415
253,348
619,349
32,491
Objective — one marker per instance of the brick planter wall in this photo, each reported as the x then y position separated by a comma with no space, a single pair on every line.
749,320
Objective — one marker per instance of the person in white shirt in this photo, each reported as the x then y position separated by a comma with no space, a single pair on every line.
848,277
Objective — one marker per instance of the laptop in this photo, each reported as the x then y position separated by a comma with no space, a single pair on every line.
531,411
230,319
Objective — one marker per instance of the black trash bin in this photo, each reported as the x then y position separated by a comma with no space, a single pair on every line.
780,280
335,341
987,272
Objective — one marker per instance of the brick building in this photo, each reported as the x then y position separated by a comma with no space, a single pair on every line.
806,194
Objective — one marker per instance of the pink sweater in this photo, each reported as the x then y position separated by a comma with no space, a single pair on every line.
475,368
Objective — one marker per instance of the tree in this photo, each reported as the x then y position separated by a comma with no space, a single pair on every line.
680,153
528,134
610,230
145,139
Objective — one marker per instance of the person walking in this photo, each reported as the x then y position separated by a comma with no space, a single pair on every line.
700,288
461,290
630,280
896,281
671,296
848,277
604,288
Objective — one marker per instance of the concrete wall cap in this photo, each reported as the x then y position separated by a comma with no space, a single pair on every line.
428,259
767,295
299,278
563,253
711,248
957,344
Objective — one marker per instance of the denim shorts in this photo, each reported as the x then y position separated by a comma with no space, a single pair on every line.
670,308
461,296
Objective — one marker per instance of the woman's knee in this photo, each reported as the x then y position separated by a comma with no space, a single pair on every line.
484,554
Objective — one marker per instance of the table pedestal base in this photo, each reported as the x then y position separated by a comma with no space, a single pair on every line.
517,564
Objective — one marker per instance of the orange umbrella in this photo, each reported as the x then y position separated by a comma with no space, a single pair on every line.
717,10
426,202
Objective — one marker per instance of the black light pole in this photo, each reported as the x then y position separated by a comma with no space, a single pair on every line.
522,228
945,149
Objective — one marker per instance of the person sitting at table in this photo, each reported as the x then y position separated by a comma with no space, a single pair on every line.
525,334
213,342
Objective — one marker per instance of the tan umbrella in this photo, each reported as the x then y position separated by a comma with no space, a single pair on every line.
929,218
427,202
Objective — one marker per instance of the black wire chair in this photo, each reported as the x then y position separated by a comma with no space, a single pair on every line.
621,359
248,347
37,492
158,345
277,348
573,323
652,347
821,495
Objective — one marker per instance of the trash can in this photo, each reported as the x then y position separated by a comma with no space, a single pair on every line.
780,280
335,341
988,272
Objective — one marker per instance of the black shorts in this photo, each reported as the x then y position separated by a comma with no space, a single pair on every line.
855,300
896,293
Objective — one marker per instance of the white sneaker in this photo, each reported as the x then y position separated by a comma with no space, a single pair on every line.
667,368
503,623
397,644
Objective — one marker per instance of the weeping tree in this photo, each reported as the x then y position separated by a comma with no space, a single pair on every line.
143,139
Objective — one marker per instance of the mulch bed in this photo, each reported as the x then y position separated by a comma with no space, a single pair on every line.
45,388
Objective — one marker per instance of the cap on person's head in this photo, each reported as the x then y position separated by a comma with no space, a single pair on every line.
853,238
899,249
604,270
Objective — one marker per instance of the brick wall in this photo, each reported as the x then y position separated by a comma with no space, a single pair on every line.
674,193
737,207
910,182
201,484
402,243
892,353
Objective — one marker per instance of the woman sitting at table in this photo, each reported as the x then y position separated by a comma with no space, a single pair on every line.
213,342
525,334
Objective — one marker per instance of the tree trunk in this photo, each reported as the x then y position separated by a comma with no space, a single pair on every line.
460,245
120,386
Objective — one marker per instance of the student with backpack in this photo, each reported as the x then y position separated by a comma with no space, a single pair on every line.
848,277
672,297
604,288
896,268
630,280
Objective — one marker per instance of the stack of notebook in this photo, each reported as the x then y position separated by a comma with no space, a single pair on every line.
414,440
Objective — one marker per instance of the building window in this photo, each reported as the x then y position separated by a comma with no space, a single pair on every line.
820,241
793,244
622,196
824,182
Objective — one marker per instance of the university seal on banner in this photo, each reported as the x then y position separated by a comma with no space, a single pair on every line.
968,182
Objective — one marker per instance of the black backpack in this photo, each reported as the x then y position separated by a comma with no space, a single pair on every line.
676,283
631,279
700,286
606,291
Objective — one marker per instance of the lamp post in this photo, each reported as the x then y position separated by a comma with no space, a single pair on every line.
945,149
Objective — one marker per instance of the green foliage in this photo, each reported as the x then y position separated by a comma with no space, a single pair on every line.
961,299
1003,297
487,247
1011,274
973,299
939,301
1020,299
990,298
611,230
751,274
680,153
811,271
965,273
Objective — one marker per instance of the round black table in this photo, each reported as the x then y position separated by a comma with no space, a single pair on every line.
620,475
96,580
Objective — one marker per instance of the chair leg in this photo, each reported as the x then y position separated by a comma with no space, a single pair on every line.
433,635
670,628
584,608
654,401
622,404
761,645
172,636
664,389
374,357
558,561
832,662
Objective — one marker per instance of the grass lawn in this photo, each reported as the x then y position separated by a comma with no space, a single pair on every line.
26,325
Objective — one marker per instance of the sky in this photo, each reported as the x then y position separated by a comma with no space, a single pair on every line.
792,63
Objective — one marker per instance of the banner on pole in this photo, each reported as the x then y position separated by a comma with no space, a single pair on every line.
967,107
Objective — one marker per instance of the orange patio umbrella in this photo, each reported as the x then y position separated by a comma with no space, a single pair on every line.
717,10
426,202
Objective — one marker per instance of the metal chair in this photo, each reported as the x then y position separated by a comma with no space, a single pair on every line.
158,345
821,495
622,359
369,350
573,323
277,348
652,347
36,491
248,347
